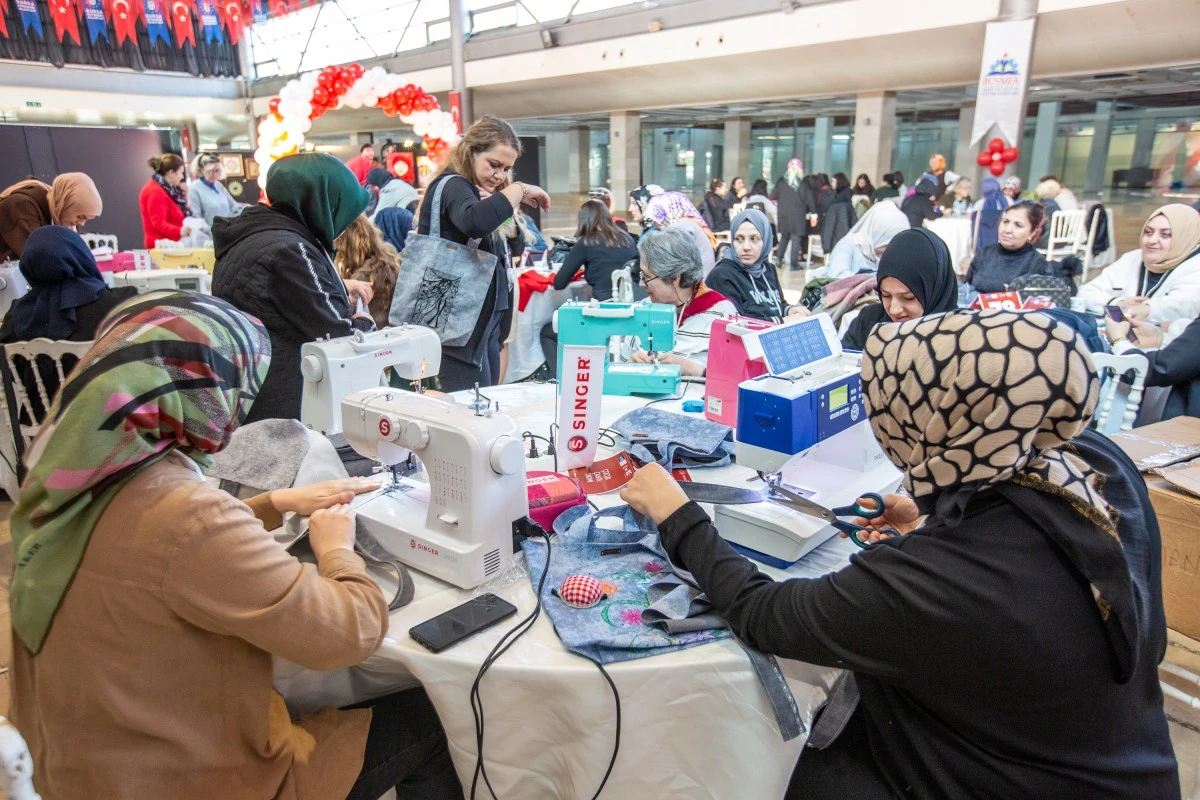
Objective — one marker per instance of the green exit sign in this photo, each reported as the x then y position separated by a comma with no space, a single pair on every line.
32,104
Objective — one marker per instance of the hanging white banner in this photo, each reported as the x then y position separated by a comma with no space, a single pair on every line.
581,383
1002,80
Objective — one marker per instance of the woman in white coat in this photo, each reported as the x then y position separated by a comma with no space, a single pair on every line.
1159,282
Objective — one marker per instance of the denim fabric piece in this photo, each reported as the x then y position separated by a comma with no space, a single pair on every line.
652,607
674,440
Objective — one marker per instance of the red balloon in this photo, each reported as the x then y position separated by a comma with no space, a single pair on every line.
405,108
983,159
996,145
274,105
320,96
1010,155
356,70
326,80
997,168
410,89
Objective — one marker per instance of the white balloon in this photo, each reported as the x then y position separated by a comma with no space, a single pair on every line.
419,127
305,125
304,110
370,101
309,79
352,100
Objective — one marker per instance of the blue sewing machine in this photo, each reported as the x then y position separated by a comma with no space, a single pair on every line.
596,323
810,393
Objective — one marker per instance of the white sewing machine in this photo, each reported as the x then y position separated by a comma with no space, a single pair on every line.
457,527
805,420
149,280
12,285
335,368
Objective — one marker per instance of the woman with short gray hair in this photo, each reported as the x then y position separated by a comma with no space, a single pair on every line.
673,273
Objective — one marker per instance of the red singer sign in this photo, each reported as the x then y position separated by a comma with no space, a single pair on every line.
581,384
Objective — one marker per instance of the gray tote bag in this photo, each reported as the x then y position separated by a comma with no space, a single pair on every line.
442,284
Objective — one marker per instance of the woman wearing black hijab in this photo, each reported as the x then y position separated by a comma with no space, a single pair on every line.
915,278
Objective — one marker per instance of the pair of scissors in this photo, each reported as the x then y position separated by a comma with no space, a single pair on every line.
867,506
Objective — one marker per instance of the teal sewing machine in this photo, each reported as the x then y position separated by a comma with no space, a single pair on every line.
597,323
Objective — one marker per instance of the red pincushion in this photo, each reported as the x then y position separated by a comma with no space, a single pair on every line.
581,591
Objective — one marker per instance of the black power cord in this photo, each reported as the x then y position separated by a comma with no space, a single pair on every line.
529,528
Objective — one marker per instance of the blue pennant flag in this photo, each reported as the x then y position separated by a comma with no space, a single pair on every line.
97,25
210,22
30,19
156,24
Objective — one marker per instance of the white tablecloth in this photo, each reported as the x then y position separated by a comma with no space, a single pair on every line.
525,352
695,722
956,233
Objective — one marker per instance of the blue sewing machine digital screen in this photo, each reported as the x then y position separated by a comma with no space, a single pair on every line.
794,346
839,397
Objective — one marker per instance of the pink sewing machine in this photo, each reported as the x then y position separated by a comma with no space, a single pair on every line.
728,366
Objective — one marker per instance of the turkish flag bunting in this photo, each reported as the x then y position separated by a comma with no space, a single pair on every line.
124,15
233,18
65,15
277,8
3,22
181,20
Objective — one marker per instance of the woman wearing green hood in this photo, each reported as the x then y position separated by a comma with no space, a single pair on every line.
276,263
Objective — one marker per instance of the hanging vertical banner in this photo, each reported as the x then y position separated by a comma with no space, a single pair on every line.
181,21
1002,79
156,23
456,111
581,382
3,21
31,21
65,16
125,15
210,23
258,9
231,16
97,21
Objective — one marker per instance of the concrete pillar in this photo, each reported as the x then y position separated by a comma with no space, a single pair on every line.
625,154
555,179
460,28
1098,157
874,132
823,145
1041,160
1143,143
579,145
737,149
964,154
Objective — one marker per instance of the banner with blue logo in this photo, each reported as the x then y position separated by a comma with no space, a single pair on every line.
97,24
1002,79
31,21
156,23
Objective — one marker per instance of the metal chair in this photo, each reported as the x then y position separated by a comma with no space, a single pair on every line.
1066,232
26,360
1120,365
16,765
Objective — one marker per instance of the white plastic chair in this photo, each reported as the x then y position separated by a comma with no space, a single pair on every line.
622,284
1119,366
815,250
1066,232
16,765
33,354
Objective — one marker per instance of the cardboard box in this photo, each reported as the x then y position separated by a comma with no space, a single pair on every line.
1166,453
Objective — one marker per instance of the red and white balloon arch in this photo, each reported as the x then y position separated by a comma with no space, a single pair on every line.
306,98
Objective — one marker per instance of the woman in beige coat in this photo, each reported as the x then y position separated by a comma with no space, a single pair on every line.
147,605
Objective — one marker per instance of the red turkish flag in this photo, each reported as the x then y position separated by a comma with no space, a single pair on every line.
65,15
181,21
3,22
276,8
124,15
232,15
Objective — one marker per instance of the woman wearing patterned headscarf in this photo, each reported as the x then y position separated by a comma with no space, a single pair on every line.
1004,648
173,593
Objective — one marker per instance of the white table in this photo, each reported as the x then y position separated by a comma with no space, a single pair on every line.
956,233
525,352
695,722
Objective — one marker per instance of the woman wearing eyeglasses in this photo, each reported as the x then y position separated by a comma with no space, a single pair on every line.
673,274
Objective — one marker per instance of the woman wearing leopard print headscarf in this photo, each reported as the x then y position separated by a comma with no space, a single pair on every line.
1005,648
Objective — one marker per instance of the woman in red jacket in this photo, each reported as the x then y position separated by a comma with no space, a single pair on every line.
164,200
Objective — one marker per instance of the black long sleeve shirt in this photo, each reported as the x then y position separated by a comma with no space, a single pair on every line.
598,262
977,649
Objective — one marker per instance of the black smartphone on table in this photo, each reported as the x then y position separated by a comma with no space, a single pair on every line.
462,622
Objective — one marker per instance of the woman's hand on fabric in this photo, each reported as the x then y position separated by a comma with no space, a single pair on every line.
331,529
640,357
1115,331
1148,335
305,500
360,289
900,516
798,311
654,493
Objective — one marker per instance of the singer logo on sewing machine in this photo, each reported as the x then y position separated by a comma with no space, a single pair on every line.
576,444
385,427
415,545
579,402
382,353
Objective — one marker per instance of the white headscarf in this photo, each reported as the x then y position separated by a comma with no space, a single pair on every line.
877,228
